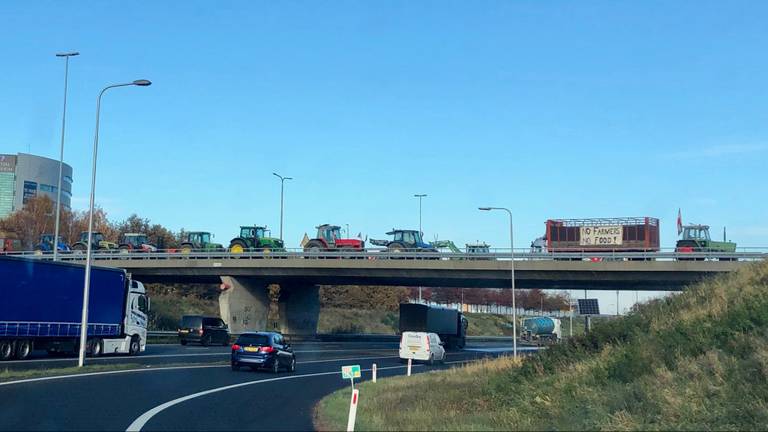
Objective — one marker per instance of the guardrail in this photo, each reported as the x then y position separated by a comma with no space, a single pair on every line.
343,337
745,254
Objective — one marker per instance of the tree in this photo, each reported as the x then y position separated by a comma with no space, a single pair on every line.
35,218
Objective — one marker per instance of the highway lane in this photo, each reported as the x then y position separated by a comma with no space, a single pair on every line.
114,401
164,354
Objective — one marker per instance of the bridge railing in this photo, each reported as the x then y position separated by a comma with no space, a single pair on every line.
522,254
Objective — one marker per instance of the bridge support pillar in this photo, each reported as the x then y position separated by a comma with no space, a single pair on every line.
244,304
299,309
250,304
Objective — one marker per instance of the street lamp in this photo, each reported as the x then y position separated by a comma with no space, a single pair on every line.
66,56
420,196
87,285
512,265
282,189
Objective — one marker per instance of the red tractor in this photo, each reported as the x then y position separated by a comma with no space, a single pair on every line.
329,239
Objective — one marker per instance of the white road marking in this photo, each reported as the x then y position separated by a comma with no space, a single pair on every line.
142,420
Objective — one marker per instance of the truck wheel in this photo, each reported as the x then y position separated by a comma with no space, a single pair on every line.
96,347
135,346
6,350
23,349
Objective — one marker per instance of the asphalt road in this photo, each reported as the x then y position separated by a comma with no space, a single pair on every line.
168,398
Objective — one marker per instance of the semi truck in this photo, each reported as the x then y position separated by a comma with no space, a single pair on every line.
41,309
450,324
625,234
541,330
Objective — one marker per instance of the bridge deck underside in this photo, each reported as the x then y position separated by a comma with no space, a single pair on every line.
630,276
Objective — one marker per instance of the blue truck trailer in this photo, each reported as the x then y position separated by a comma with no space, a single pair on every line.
41,305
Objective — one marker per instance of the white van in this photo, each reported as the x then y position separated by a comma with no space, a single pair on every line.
422,346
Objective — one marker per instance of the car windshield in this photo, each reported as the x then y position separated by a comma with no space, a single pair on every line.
253,340
191,322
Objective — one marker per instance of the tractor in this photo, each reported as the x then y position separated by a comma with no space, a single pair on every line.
329,239
199,240
472,248
130,242
696,239
254,238
45,245
98,242
405,240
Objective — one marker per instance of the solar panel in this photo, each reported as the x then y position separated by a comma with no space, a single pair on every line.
588,307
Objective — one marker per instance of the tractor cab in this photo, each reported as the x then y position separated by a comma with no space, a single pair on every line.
408,237
329,233
252,232
135,239
199,238
478,248
45,244
696,233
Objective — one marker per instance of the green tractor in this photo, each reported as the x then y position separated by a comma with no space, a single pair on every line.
199,241
254,238
696,239
98,243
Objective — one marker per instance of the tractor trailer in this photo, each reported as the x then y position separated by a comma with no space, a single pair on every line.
41,306
449,324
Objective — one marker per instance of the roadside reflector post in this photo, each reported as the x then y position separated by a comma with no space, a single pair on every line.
409,367
352,411
373,370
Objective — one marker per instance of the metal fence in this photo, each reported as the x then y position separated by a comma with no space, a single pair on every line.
496,254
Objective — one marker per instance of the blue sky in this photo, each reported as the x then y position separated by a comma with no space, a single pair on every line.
556,109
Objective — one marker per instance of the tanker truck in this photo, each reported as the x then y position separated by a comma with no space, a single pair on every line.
541,330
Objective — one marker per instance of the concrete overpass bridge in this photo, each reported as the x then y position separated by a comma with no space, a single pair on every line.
245,278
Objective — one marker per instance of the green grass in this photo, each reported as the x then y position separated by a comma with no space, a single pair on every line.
694,361
14,375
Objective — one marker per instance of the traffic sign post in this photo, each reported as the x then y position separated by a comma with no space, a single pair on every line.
373,371
352,410
351,372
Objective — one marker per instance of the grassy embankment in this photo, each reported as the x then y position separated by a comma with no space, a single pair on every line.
694,361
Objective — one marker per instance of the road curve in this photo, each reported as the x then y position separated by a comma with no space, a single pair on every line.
206,396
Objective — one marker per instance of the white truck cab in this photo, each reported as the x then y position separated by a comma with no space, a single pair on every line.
422,346
134,338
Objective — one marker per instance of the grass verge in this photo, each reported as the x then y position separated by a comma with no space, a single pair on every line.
693,361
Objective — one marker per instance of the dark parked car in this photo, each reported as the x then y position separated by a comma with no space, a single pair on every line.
206,330
263,350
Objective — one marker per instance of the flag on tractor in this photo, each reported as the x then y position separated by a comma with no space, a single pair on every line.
679,222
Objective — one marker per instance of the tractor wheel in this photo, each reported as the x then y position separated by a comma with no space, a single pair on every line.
266,250
237,247
79,248
124,249
186,248
396,248
314,247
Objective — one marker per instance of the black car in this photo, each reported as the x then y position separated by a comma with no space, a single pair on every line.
263,350
202,329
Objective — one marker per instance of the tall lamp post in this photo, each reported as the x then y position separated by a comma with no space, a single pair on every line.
66,56
282,189
87,285
420,196
512,265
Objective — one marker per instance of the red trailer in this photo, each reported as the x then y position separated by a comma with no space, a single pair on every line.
627,234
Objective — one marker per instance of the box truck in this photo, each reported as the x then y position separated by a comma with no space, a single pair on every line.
449,324
41,305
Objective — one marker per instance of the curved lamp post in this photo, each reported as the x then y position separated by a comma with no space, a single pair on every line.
87,285
282,189
512,265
